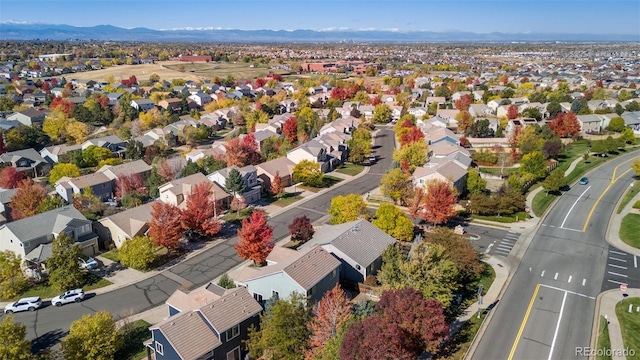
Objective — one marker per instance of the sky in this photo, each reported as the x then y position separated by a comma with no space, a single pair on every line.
480,16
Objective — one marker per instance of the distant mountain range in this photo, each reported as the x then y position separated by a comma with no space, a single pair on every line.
17,31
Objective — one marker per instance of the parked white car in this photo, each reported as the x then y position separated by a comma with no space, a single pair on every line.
75,295
90,263
24,304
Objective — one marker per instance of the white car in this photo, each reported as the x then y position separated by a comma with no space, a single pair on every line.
76,295
88,264
24,304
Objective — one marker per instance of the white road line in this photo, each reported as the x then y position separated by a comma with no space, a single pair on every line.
617,252
501,252
576,230
618,266
568,291
574,205
542,275
615,282
555,277
569,279
555,335
508,248
616,274
508,242
584,281
622,260
552,226
544,224
635,261
488,248
512,232
512,237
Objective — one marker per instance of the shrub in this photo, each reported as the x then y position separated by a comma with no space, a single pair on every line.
138,253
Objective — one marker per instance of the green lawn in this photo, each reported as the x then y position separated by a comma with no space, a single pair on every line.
350,169
629,323
637,205
237,216
112,255
496,170
628,195
327,181
604,342
286,199
46,291
519,216
135,334
630,230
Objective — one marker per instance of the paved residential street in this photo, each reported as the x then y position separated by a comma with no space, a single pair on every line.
49,324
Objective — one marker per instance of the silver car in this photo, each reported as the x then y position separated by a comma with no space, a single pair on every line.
75,295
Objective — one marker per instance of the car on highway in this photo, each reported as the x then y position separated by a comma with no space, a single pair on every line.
88,264
75,295
24,304
584,181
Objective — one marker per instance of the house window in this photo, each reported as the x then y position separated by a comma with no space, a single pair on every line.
159,348
258,297
275,294
233,332
421,181
234,354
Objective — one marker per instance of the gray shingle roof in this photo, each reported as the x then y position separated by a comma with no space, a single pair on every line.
312,267
50,222
233,308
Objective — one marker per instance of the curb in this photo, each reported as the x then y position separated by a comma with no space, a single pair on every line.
595,326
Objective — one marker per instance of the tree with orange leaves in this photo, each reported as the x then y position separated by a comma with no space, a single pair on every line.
256,240
463,102
512,112
436,203
10,177
27,199
414,134
465,120
277,187
565,125
200,213
165,227
290,129
329,315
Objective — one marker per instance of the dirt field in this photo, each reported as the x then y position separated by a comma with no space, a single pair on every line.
142,72
240,71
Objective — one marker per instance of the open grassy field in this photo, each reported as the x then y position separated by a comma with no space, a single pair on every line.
141,72
240,71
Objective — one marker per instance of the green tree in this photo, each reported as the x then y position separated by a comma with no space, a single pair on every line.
283,330
64,271
92,155
381,113
598,147
50,203
616,124
555,181
13,342
475,184
397,185
12,280
415,154
138,253
92,337
359,145
534,163
63,169
226,282
309,173
636,167
345,208
234,182
628,136
394,222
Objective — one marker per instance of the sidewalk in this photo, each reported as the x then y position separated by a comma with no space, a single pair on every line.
613,230
606,306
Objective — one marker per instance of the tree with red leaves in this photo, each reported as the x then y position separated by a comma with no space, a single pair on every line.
301,229
59,103
168,169
512,112
130,81
435,204
128,184
46,88
242,152
375,339
277,187
26,201
338,94
290,129
260,82
10,177
256,240
199,214
565,125
165,227
463,102
413,135
329,315
103,101
276,77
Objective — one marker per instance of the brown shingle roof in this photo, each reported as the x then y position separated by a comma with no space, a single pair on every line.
189,335
233,308
312,267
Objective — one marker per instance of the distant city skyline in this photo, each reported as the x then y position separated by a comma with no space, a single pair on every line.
507,16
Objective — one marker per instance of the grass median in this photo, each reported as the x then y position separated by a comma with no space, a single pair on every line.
631,192
604,342
630,230
629,323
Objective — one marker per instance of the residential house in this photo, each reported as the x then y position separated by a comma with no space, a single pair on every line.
495,103
177,191
5,200
313,151
453,172
310,272
142,104
132,168
632,120
418,112
357,244
208,323
99,183
344,125
445,148
77,100
26,240
27,161
29,117
53,153
435,134
173,105
113,98
118,228
590,124
111,142
201,98
267,171
252,185
261,135
480,110
450,116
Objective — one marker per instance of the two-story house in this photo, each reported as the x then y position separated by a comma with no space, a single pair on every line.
310,272
33,243
118,228
281,166
99,183
29,117
313,151
27,161
53,153
252,184
208,323
142,104
112,142
177,191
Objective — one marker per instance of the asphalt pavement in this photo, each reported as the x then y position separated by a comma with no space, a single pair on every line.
47,326
547,309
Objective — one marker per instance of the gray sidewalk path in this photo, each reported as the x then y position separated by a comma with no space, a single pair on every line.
606,306
613,230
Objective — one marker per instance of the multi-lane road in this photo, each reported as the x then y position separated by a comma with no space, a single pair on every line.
49,324
547,310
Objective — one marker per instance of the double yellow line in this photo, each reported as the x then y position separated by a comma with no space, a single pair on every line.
524,323
614,179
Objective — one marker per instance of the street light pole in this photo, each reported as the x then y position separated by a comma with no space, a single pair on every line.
479,300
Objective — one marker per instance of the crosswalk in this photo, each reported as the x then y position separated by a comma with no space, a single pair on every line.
503,248
619,264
